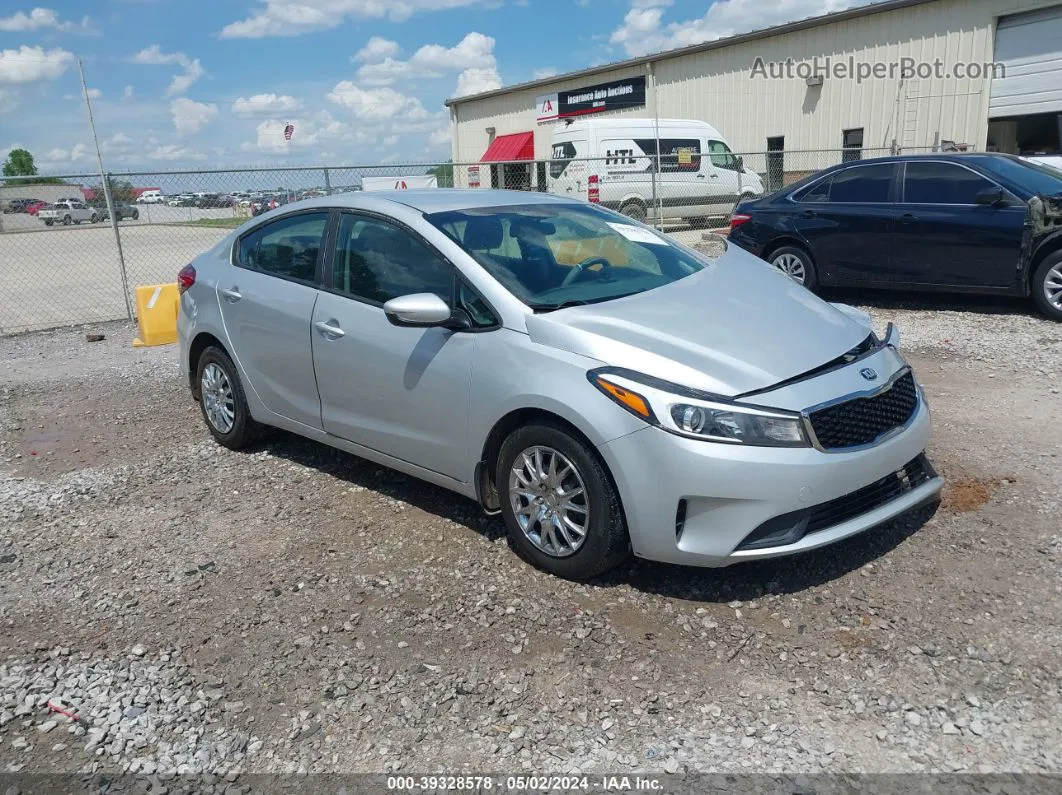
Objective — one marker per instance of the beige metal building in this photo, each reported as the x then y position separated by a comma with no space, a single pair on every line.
987,74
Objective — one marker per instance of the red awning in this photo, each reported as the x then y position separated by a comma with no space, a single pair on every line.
506,148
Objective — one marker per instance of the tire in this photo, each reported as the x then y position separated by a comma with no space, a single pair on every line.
66,220
795,262
49,223
95,219
635,211
243,429
605,542
1046,286
136,215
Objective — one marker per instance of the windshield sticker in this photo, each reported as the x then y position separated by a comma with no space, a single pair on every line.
638,235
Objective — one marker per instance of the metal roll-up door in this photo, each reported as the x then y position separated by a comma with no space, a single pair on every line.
1030,48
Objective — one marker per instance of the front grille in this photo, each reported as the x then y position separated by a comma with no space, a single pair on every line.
895,484
864,420
791,527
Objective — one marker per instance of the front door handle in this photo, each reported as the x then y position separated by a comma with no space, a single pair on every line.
232,295
700,176
329,329
809,213
907,218
715,176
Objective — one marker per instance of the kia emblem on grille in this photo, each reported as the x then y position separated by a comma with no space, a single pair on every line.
868,374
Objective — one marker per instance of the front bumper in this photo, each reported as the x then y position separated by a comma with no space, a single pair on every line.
728,491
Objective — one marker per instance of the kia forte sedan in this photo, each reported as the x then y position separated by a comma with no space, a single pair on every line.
607,390
963,223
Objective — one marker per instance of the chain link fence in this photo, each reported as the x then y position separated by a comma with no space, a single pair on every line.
65,261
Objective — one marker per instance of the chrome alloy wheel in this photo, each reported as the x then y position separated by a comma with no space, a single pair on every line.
1053,286
549,501
218,403
791,266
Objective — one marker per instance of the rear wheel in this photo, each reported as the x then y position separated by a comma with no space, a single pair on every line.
1047,286
66,220
635,210
95,219
49,223
222,400
136,215
561,509
795,263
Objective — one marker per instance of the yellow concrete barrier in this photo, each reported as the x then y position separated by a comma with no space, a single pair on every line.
156,315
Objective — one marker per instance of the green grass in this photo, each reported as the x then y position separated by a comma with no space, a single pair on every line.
224,223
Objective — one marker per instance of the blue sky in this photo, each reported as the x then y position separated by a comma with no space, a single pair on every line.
203,83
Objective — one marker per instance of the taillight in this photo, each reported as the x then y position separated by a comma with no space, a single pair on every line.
737,219
593,190
186,278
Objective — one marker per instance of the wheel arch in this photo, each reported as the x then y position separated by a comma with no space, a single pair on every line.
787,240
1048,246
201,341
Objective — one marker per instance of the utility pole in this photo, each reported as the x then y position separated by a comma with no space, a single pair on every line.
107,195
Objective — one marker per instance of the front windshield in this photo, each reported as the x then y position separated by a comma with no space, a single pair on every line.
1034,177
554,255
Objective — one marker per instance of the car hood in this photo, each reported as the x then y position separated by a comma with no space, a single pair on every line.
737,326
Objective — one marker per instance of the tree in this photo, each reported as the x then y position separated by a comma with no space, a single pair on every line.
19,163
444,174
121,191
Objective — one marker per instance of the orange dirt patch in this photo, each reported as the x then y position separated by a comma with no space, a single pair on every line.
967,494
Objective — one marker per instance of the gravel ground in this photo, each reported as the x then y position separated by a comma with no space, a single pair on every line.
295,609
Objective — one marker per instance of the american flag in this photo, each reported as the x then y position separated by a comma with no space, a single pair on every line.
289,130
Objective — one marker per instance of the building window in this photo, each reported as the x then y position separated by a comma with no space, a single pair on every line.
775,162
852,144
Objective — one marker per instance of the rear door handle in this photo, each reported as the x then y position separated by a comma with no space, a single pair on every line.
700,176
328,330
232,295
809,214
715,176
908,218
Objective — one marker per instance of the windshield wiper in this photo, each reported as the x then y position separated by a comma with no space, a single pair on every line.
579,302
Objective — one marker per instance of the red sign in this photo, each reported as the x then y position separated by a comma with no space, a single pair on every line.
473,176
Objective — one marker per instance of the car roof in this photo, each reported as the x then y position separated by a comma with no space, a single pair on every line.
437,200
956,157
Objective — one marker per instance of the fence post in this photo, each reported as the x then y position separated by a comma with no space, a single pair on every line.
118,243
327,183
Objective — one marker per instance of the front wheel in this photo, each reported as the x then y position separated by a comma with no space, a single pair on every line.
66,220
561,509
49,223
1047,286
222,400
95,219
136,215
795,263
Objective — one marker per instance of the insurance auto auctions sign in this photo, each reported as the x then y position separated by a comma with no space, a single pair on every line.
618,94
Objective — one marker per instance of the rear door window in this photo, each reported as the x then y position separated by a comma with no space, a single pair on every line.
563,153
862,184
288,247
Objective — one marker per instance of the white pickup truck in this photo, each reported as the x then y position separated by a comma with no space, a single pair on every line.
67,211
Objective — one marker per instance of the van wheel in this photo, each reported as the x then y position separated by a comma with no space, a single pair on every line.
635,210
795,263
561,509
1047,286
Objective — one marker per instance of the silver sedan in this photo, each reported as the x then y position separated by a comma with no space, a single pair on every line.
605,389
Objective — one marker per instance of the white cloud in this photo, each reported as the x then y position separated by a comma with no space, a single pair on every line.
474,51
643,30
29,64
60,155
309,132
543,73
295,17
40,18
191,69
441,137
189,117
266,103
128,92
173,152
94,93
475,81
376,103
376,49
119,142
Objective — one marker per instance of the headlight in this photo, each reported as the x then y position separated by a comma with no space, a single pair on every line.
698,415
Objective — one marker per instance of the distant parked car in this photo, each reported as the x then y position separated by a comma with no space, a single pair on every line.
949,222
182,200
211,200
19,205
122,211
34,207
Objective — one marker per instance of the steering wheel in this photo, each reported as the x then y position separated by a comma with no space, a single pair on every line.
576,272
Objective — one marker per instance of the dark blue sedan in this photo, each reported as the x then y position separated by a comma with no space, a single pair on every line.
986,223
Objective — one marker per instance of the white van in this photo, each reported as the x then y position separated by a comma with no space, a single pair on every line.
150,197
699,175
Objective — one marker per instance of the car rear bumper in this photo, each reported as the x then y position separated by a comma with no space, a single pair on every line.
697,503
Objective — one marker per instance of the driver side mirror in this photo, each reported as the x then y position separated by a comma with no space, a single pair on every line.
990,197
424,310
